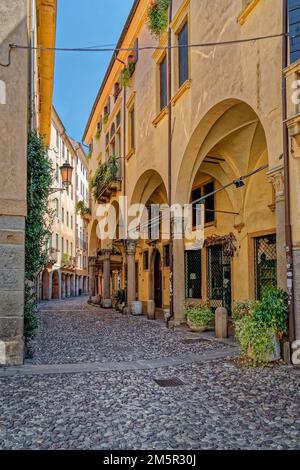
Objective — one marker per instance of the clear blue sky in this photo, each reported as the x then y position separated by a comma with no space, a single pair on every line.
84,23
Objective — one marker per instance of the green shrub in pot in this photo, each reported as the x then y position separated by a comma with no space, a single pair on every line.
244,308
198,316
273,311
255,338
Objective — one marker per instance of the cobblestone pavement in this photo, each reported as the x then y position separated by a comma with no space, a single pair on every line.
85,333
219,406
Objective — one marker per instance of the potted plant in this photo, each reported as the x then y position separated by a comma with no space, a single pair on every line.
198,317
105,118
97,135
158,17
260,331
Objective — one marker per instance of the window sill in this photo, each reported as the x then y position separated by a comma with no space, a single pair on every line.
160,116
210,224
130,154
184,87
246,12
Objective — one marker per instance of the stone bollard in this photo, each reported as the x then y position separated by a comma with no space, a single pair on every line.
150,309
221,323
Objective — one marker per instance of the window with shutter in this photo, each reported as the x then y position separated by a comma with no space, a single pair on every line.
183,55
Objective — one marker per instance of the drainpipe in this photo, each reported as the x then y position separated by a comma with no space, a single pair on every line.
124,191
170,162
288,227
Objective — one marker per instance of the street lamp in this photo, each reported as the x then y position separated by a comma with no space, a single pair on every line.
66,171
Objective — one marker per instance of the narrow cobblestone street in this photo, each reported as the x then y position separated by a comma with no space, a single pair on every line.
91,385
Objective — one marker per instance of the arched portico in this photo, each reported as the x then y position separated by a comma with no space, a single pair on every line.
149,190
228,143
45,285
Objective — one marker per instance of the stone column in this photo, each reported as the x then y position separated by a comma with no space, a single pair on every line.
63,286
12,257
92,274
106,301
178,282
131,280
276,177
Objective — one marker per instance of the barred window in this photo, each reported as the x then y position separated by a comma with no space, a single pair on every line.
193,274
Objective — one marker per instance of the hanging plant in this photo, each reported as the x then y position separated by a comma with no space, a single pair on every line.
158,17
97,135
105,118
82,209
104,175
127,73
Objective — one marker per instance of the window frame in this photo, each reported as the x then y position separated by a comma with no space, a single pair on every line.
163,97
185,24
202,190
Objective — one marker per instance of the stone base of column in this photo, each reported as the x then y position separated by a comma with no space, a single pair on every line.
150,309
106,303
11,352
12,254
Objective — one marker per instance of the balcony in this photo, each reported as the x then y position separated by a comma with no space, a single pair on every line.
68,262
107,180
84,211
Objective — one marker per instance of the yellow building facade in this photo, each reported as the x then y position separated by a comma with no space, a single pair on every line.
190,122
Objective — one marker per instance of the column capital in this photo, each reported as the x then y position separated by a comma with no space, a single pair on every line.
106,253
276,177
92,260
130,247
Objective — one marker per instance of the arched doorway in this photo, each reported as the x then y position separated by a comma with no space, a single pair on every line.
45,285
55,286
157,271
